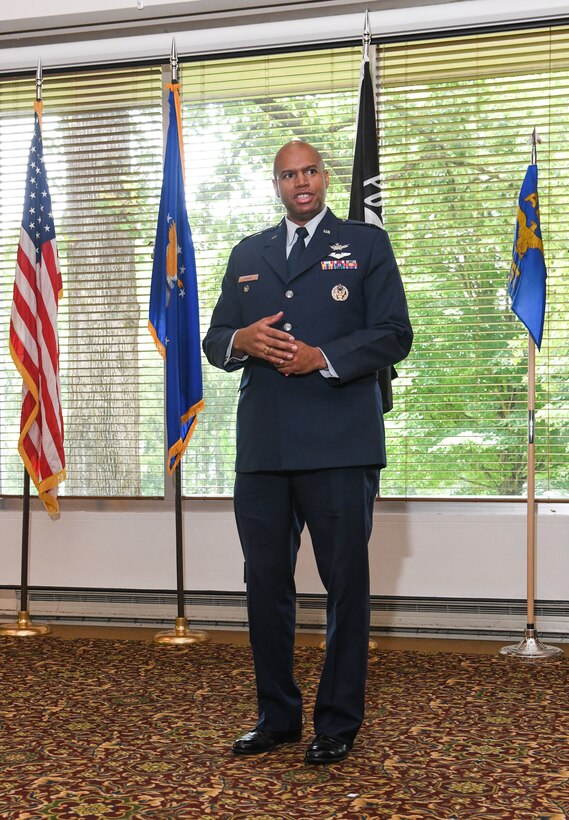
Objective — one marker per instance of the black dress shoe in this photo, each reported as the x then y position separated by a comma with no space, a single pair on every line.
260,740
324,749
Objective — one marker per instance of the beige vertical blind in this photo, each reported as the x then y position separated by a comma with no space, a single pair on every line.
103,148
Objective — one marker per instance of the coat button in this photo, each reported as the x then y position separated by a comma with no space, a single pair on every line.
289,294
287,326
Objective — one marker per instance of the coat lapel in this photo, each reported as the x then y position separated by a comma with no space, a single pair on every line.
275,251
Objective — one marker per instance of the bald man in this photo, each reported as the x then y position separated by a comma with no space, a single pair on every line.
310,310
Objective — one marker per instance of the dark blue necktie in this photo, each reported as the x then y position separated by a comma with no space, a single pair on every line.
295,255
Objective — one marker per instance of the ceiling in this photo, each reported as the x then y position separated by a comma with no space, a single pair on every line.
93,32
32,22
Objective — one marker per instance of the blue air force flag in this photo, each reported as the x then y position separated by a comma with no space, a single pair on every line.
174,315
528,272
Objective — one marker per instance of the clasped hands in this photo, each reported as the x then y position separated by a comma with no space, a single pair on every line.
288,355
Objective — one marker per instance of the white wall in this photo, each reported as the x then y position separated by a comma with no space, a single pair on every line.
457,550
418,549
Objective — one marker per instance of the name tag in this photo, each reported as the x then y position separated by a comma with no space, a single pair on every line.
251,278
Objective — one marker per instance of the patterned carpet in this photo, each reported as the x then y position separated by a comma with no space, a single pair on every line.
127,729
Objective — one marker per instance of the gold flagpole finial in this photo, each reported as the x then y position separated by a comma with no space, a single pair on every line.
174,61
39,80
366,37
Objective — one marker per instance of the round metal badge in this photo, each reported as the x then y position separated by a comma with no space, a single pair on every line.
340,293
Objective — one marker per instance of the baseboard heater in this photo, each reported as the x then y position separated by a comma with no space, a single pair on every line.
394,615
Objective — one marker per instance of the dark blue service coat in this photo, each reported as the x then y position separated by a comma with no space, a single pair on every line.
348,300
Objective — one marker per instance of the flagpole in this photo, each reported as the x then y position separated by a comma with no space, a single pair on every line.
366,37
181,635
373,645
530,647
365,194
24,627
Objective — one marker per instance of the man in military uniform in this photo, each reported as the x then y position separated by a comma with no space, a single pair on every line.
310,310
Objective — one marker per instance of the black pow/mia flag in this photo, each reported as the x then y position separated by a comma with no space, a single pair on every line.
365,195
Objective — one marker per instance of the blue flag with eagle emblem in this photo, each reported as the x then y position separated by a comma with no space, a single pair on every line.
528,272
174,313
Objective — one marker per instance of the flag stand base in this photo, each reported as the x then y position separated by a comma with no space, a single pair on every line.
24,628
181,635
372,646
531,648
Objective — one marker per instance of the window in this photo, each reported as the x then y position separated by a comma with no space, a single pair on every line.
453,117
103,147
237,114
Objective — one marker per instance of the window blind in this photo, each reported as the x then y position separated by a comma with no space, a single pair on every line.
103,147
237,114
455,117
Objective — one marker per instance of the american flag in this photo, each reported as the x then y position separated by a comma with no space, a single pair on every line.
34,344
